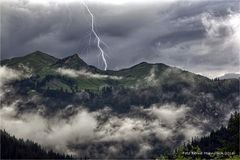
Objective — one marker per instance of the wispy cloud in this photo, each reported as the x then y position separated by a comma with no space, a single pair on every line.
8,75
83,73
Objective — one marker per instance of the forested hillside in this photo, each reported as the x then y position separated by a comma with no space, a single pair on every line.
220,144
13,148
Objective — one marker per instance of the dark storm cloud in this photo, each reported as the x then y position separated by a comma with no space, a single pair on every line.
194,8
179,37
194,35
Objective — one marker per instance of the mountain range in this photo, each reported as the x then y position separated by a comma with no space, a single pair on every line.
138,112
230,76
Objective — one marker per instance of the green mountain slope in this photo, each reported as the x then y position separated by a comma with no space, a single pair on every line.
140,70
44,69
146,74
141,76
72,62
36,61
43,63
76,63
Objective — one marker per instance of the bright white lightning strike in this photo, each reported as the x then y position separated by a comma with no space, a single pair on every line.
96,35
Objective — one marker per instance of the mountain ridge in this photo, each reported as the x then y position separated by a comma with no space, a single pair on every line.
75,62
35,60
73,57
89,77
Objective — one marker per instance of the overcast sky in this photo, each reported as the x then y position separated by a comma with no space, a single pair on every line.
199,36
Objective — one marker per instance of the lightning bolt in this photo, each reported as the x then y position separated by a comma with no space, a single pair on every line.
102,53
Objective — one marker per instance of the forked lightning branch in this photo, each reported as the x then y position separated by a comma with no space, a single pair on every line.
102,53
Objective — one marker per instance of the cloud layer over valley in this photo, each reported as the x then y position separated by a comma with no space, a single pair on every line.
101,127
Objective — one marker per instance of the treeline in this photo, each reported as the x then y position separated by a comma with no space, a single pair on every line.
13,148
201,95
204,95
39,84
220,144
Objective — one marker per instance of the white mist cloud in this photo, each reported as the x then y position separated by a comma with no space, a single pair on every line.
169,113
86,127
162,123
191,131
55,132
222,44
123,128
151,78
7,75
221,27
83,73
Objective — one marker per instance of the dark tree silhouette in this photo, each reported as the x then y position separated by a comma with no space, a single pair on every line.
13,148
